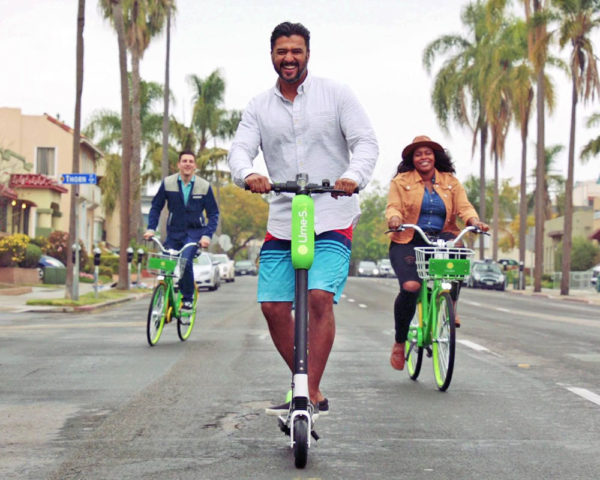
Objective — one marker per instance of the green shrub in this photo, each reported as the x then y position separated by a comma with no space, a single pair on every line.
105,271
32,256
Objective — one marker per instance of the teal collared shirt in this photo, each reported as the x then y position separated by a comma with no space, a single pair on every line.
186,189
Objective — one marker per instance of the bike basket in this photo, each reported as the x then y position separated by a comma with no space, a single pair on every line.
443,262
161,264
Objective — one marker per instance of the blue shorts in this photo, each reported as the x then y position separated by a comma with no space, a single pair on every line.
329,271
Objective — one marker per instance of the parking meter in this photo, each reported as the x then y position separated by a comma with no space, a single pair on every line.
129,259
140,260
521,275
74,252
97,253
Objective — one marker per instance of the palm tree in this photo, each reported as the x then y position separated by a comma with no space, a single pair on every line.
208,97
143,20
592,148
165,130
71,290
113,10
536,14
579,19
105,128
457,93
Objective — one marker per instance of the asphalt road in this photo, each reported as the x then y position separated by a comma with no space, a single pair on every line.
84,397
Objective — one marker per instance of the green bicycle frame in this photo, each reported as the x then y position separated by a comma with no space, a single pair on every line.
442,271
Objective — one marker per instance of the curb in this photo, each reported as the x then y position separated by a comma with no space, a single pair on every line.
564,298
82,308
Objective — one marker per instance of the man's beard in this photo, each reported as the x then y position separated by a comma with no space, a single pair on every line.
296,77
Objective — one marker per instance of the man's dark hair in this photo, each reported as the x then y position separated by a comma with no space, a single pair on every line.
186,152
443,162
287,29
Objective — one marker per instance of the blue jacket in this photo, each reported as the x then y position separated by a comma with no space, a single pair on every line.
185,221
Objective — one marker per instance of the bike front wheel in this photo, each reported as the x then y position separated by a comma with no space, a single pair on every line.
444,341
185,322
414,353
156,314
301,434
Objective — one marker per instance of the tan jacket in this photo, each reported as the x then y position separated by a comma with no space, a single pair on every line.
406,196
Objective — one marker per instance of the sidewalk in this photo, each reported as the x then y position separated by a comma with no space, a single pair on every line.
13,301
587,295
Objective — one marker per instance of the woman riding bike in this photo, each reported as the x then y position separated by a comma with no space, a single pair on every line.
426,193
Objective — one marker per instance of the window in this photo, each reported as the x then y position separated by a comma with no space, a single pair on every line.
45,161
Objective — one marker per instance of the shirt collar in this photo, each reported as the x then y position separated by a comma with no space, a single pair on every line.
181,180
302,88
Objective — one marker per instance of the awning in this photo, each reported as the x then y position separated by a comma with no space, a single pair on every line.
8,192
35,180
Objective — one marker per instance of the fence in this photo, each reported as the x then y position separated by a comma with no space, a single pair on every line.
577,280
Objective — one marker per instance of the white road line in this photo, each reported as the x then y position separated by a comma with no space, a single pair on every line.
469,302
507,310
362,305
351,300
473,345
584,393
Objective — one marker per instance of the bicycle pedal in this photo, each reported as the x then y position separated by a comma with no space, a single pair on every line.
429,352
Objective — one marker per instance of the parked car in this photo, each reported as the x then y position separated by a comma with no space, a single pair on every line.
226,266
206,272
385,268
367,268
48,261
595,276
486,275
245,267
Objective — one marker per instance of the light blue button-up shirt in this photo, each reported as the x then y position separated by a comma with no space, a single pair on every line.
324,132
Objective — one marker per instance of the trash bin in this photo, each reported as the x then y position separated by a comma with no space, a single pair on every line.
55,275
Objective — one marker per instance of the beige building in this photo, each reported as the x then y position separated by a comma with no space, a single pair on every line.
36,151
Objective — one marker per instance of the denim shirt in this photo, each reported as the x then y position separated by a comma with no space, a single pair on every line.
433,212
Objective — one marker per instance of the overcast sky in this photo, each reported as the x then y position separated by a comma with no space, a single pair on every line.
373,46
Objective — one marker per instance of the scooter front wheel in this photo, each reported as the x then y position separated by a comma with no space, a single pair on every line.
301,434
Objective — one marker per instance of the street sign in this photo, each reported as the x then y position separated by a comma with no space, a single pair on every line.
79,178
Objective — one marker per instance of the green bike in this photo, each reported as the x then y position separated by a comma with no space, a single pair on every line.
165,304
433,328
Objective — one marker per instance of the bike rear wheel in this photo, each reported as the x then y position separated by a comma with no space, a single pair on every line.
301,434
444,342
185,322
414,353
156,313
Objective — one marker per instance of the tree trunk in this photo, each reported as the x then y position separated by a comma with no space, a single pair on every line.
568,225
496,210
539,183
136,155
523,196
126,145
72,280
482,213
165,129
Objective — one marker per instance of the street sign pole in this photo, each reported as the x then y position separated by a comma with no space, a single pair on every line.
76,179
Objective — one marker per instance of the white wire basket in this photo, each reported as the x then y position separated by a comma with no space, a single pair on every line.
443,262
167,265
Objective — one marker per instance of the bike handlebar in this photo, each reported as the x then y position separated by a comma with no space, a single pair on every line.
449,243
294,186
172,251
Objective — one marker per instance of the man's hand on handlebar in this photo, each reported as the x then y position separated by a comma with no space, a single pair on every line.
347,185
149,234
258,183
